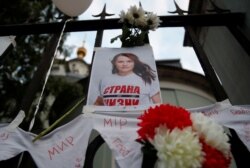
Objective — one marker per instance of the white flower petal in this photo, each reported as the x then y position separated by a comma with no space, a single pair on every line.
178,148
212,132
153,21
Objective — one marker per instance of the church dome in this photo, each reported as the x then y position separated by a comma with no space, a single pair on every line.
81,52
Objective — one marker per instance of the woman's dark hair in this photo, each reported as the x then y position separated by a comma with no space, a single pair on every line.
141,69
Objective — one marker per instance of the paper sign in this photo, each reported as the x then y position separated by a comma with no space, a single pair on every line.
124,77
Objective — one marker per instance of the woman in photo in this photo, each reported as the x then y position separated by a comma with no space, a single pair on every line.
132,83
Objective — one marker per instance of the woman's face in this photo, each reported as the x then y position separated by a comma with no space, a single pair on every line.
124,65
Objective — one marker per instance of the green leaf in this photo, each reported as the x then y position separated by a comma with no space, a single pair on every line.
115,38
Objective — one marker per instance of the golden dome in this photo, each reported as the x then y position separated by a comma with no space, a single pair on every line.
81,52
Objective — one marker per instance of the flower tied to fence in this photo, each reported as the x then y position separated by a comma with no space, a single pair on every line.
136,26
180,139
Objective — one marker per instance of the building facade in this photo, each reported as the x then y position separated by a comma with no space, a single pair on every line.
224,48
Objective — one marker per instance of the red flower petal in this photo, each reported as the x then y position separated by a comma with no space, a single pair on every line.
214,158
164,114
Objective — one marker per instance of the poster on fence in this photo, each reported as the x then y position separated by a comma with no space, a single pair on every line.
124,77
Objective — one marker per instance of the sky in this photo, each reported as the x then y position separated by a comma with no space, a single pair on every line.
167,43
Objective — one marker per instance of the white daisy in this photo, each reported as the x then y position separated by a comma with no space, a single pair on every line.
125,17
153,21
138,14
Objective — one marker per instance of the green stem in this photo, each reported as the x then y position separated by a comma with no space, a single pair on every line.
136,31
57,121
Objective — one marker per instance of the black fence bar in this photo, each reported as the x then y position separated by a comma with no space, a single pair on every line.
226,19
91,151
210,74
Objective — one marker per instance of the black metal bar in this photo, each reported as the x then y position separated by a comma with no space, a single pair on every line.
226,19
210,74
91,151
99,33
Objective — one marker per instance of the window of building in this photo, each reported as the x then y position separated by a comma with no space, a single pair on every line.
184,98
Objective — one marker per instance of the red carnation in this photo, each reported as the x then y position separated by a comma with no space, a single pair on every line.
164,114
214,158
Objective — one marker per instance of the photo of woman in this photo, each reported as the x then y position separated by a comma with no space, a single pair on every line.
131,82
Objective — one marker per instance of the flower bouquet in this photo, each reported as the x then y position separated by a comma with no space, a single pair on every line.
136,25
175,138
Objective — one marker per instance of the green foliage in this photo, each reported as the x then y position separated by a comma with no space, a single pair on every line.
66,94
24,11
131,36
18,64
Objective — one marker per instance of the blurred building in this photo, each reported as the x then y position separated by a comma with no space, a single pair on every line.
227,47
74,69
182,87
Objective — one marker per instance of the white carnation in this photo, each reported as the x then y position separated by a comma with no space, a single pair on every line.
178,148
